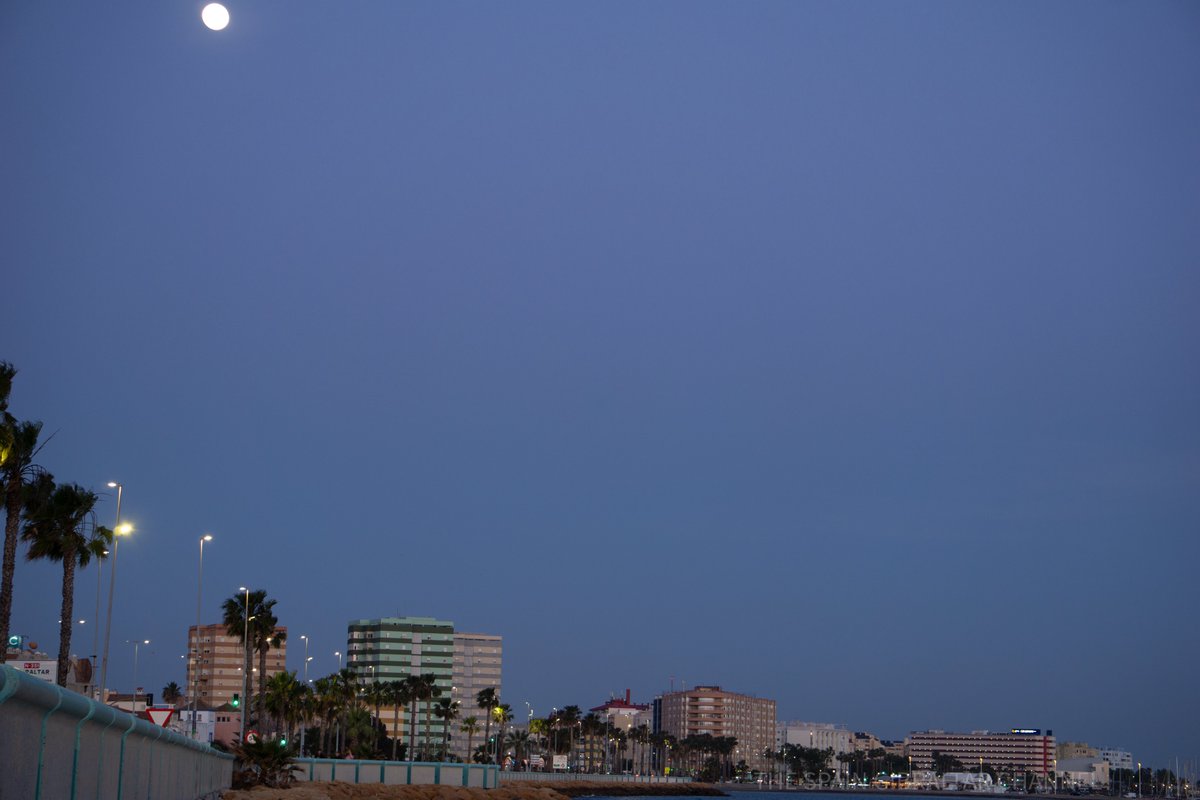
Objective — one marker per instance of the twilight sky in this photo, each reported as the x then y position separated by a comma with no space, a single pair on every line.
840,353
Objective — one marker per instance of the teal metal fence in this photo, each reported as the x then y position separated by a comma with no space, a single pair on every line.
348,770
60,745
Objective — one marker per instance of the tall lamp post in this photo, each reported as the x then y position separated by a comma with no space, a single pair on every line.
245,660
96,624
136,644
196,657
303,727
112,582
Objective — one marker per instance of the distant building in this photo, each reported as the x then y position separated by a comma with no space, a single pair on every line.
866,742
1019,750
818,735
392,648
478,661
130,703
1090,772
625,714
1071,750
212,724
45,667
214,672
709,709
1117,759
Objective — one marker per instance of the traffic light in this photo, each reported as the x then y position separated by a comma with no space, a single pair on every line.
236,701
283,741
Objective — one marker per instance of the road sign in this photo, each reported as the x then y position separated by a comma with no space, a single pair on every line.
160,716
252,736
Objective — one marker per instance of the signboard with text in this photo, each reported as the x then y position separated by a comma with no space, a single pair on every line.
560,762
46,670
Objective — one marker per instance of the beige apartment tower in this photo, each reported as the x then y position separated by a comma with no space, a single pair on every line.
709,709
478,658
216,661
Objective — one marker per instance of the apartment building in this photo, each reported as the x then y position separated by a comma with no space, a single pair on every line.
478,658
711,710
214,670
392,648
1020,750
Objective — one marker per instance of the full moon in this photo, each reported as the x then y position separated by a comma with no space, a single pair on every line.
215,16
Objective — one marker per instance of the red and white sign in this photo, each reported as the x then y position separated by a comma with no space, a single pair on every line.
39,669
252,736
160,716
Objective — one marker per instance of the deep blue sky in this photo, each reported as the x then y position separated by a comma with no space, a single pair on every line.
840,353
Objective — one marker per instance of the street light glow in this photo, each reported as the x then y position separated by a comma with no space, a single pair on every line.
215,16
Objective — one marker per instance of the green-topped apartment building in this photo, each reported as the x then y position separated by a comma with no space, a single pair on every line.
393,648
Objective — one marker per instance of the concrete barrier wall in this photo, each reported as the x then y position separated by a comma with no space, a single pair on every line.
349,770
59,745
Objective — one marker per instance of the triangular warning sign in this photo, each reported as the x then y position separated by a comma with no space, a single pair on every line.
160,716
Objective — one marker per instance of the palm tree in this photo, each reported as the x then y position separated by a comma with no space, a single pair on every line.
502,714
264,637
469,726
486,700
327,707
520,745
346,687
361,734
284,700
18,447
171,693
540,729
236,610
399,695
447,711
641,737
60,526
431,692
416,693
570,718
375,695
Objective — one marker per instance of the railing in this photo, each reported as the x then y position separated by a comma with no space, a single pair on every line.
60,745
350,770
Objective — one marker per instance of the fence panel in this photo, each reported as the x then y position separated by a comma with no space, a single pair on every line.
60,745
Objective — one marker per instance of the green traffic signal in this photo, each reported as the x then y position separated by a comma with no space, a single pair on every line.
236,701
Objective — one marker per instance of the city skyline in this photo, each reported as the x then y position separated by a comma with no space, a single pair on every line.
837,354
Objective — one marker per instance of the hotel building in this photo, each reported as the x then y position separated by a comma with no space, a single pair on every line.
215,667
1019,750
709,709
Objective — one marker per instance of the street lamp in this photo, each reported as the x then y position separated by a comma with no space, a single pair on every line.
112,583
339,657
136,644
303,727
245,660
196,658
96,622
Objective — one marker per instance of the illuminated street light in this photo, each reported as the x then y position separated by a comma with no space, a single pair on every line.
196,658
245,658
136,644
118,531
